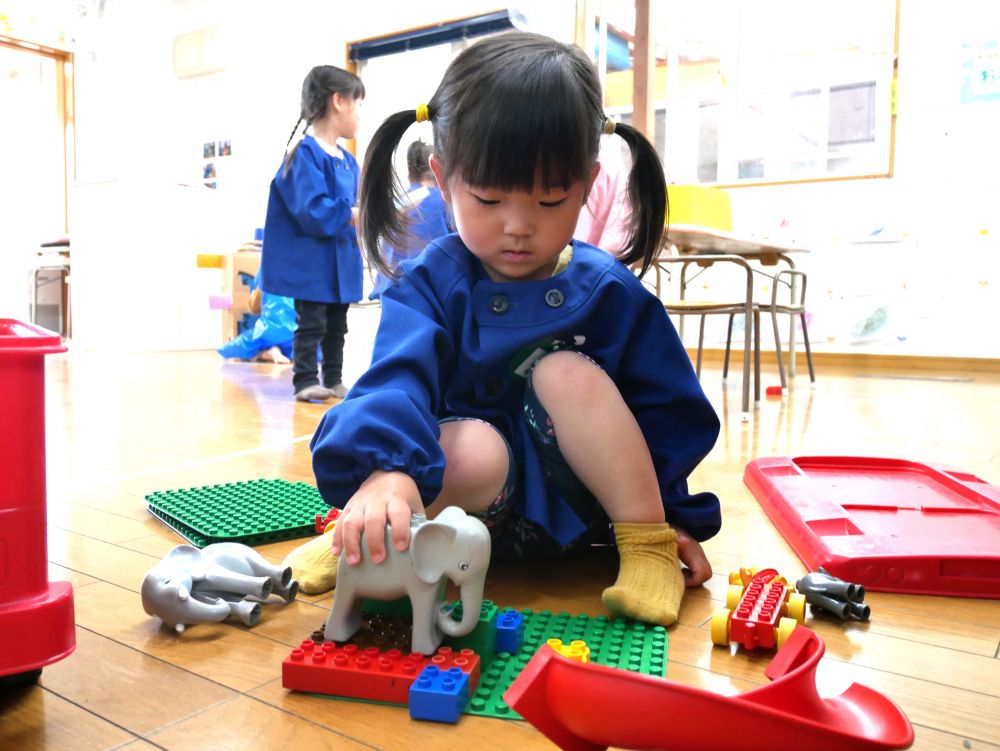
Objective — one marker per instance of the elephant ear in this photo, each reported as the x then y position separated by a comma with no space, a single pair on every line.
432,550
183,555
186,558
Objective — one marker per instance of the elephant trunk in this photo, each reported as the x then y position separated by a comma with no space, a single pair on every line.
472,603
191,610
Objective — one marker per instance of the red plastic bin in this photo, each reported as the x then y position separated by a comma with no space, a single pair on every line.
36,616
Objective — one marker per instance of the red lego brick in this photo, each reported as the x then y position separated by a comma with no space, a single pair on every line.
325,668
323,521
465,659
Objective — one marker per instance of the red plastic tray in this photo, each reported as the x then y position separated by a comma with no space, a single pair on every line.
889,524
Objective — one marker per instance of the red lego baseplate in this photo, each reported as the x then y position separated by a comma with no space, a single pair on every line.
370,673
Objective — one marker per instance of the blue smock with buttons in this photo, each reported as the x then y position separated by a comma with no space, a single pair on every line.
310,249
426,220
448,344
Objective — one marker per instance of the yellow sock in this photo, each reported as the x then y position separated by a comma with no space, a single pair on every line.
650,584
314,565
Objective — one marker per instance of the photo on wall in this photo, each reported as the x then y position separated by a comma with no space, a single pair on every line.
208,150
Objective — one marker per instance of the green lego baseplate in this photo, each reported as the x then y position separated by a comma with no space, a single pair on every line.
252,512
624,644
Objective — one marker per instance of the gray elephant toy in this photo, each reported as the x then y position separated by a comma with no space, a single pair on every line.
452,546
207,586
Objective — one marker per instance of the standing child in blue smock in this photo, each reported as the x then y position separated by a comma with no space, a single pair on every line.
522,375
310,250
424,210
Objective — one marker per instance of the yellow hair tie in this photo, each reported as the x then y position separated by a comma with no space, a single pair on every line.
608,127
423,114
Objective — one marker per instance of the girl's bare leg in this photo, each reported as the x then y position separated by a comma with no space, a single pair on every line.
603,444
476,466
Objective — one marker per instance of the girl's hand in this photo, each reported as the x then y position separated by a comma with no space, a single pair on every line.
385,497
354,216
692,555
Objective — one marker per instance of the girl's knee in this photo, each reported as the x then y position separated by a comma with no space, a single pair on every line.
567,372
476,458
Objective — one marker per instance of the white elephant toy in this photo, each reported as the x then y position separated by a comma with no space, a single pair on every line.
452,546
207,586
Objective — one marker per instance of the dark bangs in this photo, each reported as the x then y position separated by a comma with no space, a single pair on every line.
525,120
355,89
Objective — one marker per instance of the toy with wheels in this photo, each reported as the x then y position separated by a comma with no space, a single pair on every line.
762,610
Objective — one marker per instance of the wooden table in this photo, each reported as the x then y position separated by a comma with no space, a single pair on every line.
691,238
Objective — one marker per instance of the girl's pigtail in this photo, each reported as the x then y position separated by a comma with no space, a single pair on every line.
381,193
290,154
647,198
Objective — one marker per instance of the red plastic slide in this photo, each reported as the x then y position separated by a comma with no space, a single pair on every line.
581,707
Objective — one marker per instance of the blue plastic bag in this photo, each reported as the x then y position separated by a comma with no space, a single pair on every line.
274,328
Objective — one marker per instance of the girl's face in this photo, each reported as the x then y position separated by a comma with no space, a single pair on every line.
345,114
518,236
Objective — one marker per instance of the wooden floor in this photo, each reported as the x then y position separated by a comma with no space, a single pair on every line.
121,426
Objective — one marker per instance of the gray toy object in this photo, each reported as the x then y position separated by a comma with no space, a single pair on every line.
836,596
207,586
452,546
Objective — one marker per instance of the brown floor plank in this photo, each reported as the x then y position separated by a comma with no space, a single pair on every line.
135,691
243,722
226,653
134,684
34,719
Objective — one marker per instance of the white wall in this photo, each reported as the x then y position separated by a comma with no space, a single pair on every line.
937,286
140,211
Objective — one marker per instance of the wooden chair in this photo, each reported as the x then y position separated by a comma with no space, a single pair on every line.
795,281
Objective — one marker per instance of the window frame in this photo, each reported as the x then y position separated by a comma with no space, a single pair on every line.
729,157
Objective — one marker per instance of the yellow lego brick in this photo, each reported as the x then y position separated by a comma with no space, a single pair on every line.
209,261
576,650
701,206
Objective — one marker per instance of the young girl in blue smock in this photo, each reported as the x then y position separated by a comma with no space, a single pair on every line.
310,250
527,377
424,211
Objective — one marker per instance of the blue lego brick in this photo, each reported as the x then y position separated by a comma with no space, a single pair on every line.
439,695
510,631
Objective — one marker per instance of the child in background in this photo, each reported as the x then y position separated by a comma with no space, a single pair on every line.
426,214
603,221
526,377
310,250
